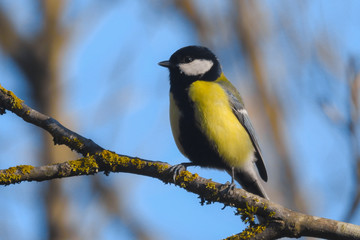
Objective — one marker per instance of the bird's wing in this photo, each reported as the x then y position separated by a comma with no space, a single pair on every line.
243,117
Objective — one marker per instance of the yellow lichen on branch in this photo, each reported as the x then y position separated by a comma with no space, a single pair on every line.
13,174
84,166
73,142
138,163
113,160
211,186
248,213
248,233
15,101
186,177
160,167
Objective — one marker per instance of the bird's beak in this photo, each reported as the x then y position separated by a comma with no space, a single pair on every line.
166,64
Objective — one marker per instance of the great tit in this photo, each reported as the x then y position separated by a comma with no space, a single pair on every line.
208,120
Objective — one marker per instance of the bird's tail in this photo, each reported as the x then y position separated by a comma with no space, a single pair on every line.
248,179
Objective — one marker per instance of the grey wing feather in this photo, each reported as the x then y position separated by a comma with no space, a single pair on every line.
244,119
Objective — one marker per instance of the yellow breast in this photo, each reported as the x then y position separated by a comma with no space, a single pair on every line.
217,121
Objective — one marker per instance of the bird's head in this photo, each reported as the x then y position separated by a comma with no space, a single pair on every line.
193,63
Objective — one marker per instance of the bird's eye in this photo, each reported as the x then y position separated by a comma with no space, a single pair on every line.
188,59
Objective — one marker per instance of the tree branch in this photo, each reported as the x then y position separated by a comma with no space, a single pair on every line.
60,134
279,221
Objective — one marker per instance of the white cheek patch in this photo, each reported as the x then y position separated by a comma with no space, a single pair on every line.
196,67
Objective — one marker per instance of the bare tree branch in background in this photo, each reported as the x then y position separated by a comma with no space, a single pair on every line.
352,126
116,208
195,17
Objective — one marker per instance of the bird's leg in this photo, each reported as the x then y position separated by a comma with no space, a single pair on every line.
177,169
232,184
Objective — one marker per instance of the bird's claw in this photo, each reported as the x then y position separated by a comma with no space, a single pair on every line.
176,170
231,188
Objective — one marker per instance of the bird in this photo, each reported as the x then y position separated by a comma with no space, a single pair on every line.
209,122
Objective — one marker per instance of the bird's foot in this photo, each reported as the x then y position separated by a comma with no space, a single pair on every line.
231,188
177,169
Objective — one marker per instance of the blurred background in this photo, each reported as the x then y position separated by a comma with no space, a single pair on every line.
92,65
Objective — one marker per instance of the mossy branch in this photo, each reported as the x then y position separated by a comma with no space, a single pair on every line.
60,134
279,221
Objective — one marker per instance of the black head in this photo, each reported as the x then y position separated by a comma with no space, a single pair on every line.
192,63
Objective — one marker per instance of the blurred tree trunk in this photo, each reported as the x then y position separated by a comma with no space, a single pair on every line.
39,59
49,100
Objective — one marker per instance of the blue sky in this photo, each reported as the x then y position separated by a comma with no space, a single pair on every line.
117,95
